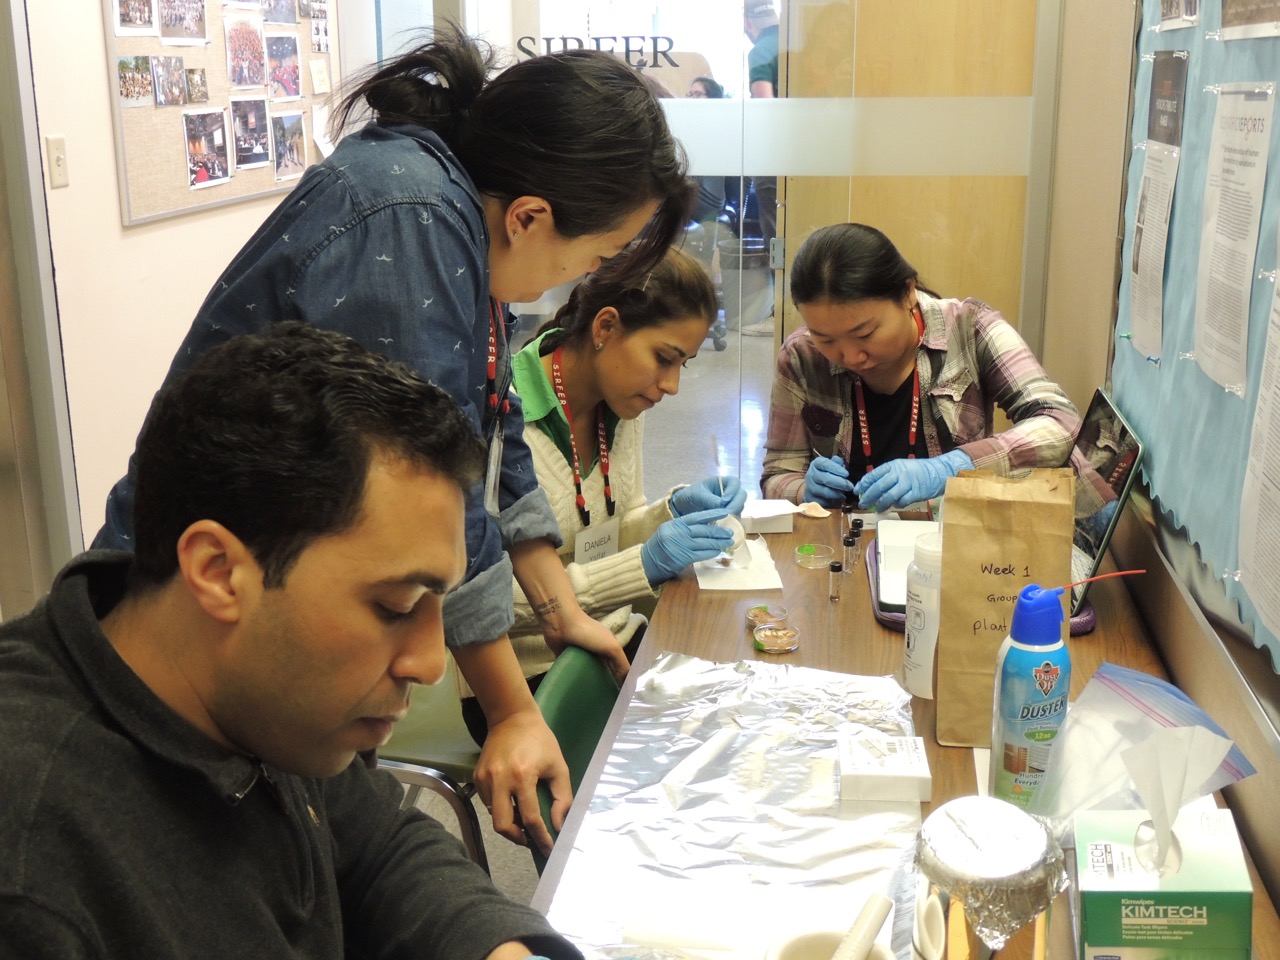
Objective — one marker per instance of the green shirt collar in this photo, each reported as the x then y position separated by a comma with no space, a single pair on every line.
538,399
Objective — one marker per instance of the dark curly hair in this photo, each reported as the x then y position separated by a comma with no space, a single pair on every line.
678,287
272,436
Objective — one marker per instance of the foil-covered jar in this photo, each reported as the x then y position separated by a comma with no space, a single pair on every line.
1000,862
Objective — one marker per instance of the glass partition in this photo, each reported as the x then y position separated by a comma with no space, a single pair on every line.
915,116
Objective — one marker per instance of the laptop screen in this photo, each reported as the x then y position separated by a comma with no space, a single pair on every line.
1105,459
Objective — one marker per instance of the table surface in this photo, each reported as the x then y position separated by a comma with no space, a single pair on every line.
844,636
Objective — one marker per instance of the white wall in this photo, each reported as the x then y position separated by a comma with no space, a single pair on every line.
125,296
1089,153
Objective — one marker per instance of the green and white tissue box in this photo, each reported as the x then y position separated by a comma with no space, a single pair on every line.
1201,911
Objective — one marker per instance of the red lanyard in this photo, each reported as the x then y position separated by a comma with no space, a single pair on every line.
557,382
863,427
491,370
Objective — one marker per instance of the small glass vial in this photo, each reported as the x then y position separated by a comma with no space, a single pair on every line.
855,526
833,580
850,551
846,510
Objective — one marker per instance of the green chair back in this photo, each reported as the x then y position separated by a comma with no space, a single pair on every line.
575,697
434,733
431,749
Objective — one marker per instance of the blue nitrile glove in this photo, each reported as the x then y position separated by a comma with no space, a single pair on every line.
902,482
705,495
827,481
682,541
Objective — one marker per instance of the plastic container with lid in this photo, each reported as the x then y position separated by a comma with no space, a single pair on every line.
924,591
1033,679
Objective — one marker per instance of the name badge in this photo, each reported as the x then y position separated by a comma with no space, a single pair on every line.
597,541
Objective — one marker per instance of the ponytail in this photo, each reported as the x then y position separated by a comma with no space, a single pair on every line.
579,128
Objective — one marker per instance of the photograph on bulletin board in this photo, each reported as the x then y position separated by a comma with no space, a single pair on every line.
207,162
252,132
134,81
197,86
183,22
246,51
169,80
134,18
284,74
289,144
320,35
280,11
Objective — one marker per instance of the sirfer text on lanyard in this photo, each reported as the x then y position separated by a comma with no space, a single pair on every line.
864,428
557,383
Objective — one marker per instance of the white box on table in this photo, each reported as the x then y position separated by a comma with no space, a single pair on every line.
768,516
876,767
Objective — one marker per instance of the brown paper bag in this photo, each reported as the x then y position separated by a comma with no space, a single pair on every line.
998,535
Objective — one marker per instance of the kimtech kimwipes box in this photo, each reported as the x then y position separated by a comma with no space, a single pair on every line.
1201,911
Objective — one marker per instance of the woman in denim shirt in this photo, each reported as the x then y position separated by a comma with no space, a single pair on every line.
463,193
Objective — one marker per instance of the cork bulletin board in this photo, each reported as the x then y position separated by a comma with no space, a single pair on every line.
216,102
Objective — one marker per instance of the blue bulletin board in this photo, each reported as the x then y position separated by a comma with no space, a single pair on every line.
1197,431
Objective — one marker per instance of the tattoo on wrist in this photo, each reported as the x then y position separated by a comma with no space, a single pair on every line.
547,607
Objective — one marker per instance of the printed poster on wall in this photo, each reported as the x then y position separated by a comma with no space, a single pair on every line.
1159,177
1242,19
1260,496
1234,178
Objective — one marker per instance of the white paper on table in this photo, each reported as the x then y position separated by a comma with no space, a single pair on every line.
1260,493
759,573
1151,235
1234,179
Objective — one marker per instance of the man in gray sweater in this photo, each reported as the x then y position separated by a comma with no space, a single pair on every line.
180,728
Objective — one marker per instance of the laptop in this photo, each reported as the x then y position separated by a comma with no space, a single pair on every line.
895,549
1105,458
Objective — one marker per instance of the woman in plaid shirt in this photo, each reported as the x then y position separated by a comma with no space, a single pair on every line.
888,390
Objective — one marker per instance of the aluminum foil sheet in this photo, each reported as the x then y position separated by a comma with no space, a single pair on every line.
1000,862
717,828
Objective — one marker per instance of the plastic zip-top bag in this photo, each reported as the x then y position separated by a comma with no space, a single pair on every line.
1118,709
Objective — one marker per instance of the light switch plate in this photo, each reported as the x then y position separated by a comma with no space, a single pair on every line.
56,157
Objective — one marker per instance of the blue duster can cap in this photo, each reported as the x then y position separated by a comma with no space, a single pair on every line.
1037,616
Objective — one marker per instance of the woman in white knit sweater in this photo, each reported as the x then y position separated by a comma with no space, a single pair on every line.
585,381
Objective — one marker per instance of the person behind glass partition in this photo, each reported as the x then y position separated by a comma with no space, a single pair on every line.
760,24
889,389
465,191
704,88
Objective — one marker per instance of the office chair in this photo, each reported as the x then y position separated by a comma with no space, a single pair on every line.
575,697
432,749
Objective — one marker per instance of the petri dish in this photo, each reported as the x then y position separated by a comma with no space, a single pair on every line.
776,638
814,556
765,612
